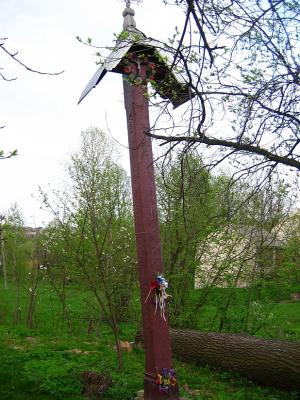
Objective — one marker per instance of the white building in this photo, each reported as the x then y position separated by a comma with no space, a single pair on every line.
233,256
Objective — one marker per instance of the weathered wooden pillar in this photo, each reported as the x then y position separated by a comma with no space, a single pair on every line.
155,328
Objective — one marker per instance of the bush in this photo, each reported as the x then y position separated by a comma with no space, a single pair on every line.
94,383
54,374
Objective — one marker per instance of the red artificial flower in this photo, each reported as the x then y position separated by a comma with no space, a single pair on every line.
154,285
151,65
127,69
172,381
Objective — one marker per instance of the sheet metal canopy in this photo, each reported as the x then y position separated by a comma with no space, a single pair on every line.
171,85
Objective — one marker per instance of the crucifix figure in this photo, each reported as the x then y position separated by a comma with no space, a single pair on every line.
142,60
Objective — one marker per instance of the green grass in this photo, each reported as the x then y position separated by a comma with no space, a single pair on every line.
273,315
45,363
283,321
287,321
49,369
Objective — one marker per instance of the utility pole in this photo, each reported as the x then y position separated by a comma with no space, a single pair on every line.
139,60
3,261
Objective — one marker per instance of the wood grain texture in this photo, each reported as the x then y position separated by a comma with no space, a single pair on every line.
268,362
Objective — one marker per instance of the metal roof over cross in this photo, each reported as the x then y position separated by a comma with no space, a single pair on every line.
169,82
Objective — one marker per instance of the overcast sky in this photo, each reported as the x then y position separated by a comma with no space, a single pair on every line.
40,113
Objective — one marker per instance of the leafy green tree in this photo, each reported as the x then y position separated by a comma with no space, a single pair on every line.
195,207
17,254
14,243
244,252
190,207
92,238
20,257
289,270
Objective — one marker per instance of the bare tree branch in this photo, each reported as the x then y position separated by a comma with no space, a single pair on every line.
241,60
244,147
17,60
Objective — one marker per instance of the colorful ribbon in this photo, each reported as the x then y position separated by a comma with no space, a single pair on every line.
159,286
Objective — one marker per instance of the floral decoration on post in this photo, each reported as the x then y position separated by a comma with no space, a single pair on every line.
158,287
135,78
166,380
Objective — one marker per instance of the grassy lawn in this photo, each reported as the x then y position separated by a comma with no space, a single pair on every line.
273,316
287,320
283,321
46,362
48,367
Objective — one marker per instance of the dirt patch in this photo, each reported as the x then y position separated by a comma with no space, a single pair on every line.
17,347
79,351
31,340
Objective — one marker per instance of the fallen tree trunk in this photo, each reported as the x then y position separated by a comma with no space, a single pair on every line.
268,362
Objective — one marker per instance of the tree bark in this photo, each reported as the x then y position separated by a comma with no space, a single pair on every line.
3,261
268,362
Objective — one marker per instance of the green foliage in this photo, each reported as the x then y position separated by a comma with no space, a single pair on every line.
54,374
196,207
262,311
92,241
290,271
124,35
12,382
4,306
45,372
46,362
89,255
187,199
3,156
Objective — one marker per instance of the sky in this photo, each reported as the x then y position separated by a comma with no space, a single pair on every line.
40,113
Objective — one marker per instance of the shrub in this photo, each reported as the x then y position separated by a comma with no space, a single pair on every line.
54,374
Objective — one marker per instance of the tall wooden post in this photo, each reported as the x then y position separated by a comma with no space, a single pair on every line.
136,55
155,328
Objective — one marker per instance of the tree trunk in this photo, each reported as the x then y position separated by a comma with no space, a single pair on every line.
268,362
3,261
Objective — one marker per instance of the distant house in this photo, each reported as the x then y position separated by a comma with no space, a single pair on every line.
290,227
233,256
31,232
